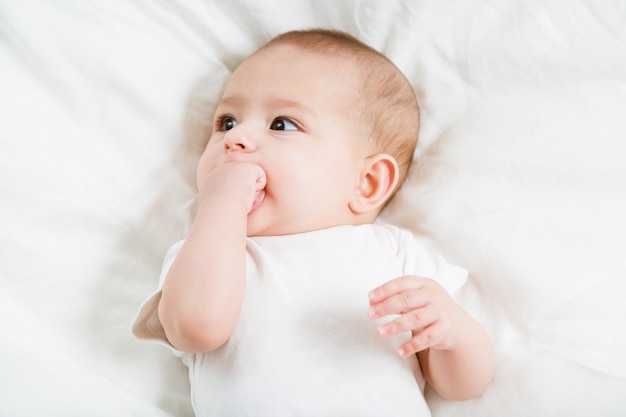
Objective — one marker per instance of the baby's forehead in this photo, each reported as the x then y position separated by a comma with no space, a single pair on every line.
332,69
341,62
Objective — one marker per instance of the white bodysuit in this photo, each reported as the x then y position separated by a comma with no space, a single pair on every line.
304,345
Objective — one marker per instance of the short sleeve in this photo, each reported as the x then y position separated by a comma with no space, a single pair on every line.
416,258
147,325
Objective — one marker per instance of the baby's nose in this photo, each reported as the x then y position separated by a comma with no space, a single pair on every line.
239,139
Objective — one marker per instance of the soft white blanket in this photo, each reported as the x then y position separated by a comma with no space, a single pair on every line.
520,176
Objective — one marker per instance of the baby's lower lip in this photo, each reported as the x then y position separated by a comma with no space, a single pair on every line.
258,199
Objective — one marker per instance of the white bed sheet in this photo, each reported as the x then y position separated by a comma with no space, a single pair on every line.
520,176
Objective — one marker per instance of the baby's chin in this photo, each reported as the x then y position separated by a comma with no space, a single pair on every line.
259,224
282,227
256,231
263,220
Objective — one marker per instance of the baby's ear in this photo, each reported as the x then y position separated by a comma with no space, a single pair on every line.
376,183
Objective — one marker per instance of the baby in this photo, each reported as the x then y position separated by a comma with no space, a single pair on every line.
287,298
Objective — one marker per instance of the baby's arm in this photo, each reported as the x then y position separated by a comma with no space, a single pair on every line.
455,352
203,291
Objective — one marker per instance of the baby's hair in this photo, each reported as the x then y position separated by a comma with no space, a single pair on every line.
388,106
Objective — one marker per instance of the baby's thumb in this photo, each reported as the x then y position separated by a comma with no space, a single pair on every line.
261,180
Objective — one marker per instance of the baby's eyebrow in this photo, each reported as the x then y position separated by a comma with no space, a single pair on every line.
231,100
281,102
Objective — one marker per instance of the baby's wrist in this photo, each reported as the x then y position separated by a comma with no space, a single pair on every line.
231,200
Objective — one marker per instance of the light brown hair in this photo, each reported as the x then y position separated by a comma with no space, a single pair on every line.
388,106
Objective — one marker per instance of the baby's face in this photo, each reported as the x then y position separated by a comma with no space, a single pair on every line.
286,110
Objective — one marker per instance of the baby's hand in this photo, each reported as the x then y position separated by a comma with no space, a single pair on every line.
425,309
240,180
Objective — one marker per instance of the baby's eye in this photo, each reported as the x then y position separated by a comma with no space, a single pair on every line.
280,123
225,123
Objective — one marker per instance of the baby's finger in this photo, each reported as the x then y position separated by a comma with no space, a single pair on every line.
401,303
420,341
414,321
395,286
261,180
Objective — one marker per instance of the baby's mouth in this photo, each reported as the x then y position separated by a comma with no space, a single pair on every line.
258,199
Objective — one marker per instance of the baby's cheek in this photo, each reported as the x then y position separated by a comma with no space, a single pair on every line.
206,164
